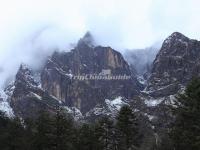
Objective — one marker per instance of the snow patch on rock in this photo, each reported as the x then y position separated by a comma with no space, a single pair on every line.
75,112
153,102
115,104
5,105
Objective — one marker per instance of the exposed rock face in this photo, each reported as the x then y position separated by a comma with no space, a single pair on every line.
174,66
176,63
28,98
58,85
57,76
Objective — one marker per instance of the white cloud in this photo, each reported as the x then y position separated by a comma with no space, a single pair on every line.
29,29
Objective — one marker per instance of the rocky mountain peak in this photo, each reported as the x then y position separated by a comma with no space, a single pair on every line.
86,40
86,60
175,44
176,62
177,35
25,74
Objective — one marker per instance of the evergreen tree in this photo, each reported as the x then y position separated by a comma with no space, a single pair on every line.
104,131
4,122
15,138
30,131
185,132
65,131
127,128
45,135
86,138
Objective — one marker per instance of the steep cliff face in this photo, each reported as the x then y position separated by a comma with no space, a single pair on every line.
58,76
63,81
60,82
27,98
175,64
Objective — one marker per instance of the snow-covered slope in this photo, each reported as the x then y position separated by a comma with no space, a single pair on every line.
5,104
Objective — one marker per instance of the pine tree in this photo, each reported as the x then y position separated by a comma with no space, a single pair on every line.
45,137
86,138
127,128
4,122
104,131
30,131
185,132
15,135
65,131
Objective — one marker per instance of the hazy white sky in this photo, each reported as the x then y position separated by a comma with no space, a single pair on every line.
31,28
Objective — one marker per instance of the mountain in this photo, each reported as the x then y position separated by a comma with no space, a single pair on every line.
67,80
86,60
59,82
92,81
176,63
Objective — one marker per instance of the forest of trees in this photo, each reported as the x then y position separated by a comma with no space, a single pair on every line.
61,132
185,131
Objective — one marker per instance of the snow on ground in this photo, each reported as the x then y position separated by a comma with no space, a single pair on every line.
171,100
97,111
3,95
115,104
110,108
35,95
60,70
141,80
5,107
75,112
4,104
153,102
150,117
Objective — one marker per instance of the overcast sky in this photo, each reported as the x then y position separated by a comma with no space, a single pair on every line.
30,29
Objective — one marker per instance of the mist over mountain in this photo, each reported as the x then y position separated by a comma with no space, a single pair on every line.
117,74
30,33
142,59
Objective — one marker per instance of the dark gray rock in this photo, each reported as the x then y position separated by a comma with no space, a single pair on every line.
58,73
176,63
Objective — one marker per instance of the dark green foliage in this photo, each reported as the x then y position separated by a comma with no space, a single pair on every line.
86,139
59,132
105,134
45,129
4,122
127,129
12,134
185,132
65,131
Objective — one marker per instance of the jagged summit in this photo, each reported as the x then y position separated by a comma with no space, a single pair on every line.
88,35
174,38
176,62
178,35
87,39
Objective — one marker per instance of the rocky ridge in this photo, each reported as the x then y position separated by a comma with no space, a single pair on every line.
54,85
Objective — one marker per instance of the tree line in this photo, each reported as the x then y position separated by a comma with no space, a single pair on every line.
60,132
